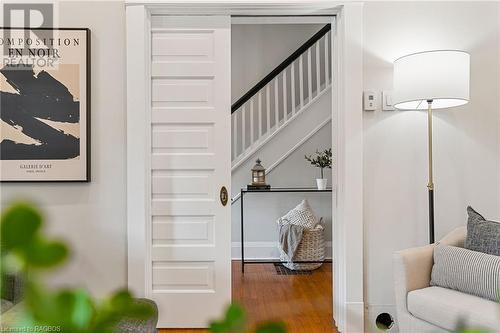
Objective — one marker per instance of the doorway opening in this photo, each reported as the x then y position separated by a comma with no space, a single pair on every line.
281,112
178,85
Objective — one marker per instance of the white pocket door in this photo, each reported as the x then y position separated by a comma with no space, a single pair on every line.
190,246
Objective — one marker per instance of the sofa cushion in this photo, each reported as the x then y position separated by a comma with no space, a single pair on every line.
482,235
445,308
467,271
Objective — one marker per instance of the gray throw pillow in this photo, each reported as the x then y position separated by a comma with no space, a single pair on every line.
467,271
482,235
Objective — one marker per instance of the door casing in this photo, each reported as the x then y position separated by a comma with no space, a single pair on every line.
347,138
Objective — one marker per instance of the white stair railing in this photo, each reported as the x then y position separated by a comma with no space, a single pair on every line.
281,99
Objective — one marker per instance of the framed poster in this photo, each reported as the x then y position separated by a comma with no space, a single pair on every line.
45,105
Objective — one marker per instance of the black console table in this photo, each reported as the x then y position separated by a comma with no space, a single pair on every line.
270,191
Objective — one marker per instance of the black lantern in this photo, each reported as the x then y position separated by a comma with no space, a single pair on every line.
258,174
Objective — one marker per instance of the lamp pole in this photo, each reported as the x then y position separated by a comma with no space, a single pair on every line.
441,78
430,185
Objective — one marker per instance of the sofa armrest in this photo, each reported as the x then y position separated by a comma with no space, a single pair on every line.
412,270
456,237
412,267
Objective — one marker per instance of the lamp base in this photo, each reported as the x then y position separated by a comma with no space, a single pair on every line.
431,216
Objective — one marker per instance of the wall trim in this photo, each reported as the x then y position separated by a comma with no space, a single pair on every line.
354,317
138,156
347,137
234,7
264,250
280,20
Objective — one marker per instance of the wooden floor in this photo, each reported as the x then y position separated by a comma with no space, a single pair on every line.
302,302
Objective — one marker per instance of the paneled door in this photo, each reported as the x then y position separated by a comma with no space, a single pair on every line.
190,168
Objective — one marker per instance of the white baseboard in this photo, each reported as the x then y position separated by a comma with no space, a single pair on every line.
264,250
371,313
355,312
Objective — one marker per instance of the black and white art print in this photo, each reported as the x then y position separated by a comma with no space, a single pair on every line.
44,105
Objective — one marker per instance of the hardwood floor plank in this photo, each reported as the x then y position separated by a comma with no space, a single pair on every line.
302,302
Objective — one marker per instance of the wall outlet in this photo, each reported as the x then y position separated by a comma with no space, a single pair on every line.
370,100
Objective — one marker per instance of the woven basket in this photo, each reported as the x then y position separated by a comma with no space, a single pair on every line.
311,248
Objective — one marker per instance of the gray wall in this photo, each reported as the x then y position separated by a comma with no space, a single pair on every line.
466,139
92,217
258,49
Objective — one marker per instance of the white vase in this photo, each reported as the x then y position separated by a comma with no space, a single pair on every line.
321,182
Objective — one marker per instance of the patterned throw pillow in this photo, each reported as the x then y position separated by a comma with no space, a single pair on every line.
467,271
301,215
482,235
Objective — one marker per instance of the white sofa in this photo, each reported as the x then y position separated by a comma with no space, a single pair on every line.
423,308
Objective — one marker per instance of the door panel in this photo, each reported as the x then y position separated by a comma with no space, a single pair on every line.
190,130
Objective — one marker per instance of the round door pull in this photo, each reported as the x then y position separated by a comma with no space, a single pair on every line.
223,196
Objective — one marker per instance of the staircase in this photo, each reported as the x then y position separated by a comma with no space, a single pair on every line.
280,99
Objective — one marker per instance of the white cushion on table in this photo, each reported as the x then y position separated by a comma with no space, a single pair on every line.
302,215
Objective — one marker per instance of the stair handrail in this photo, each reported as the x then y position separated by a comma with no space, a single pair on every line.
278,69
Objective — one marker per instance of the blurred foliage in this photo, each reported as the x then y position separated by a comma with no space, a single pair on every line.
235,321
27,252
461,328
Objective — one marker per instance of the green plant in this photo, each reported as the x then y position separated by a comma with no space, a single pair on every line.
235,321
321,159
461,328
26,251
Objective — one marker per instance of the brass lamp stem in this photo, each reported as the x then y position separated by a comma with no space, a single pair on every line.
430,185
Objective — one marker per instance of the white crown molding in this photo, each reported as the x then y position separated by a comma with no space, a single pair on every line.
227,7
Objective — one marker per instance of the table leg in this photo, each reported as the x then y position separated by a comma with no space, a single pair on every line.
242,235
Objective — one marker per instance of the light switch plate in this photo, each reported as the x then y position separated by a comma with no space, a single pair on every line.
369,100
387,101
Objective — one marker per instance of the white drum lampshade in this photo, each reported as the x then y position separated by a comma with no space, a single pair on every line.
440,76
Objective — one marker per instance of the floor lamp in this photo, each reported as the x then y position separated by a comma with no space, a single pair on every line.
428,81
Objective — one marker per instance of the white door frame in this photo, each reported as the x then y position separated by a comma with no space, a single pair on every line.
347,129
